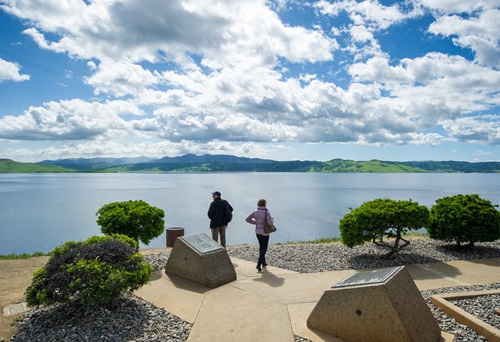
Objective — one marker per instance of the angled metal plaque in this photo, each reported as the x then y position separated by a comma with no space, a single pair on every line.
368,277
202,243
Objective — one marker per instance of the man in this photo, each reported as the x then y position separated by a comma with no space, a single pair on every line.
220,214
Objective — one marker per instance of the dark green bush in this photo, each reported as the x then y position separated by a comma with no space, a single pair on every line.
464,219
135,219
94,271
380,218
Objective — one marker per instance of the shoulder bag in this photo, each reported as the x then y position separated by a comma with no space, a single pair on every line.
268,228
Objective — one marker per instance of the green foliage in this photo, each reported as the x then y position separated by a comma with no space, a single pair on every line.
380,218
376,166
209,163
455,166
10,166
464,219
21,256
95,271
334,165
135,219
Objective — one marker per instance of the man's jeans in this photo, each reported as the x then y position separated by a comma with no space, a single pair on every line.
215,235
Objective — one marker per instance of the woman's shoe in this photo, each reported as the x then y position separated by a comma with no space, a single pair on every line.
259,269
264,265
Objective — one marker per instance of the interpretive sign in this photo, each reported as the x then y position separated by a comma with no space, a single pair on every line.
200,259
368,277
381,305
202,243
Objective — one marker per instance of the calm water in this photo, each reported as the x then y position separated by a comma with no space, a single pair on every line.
41,211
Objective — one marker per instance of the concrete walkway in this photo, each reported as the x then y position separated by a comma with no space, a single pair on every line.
274,305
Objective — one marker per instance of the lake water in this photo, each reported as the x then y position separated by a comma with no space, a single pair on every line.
41,211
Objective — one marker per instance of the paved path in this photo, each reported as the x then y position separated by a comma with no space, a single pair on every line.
274,305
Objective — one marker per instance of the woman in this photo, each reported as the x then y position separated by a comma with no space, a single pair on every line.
258,218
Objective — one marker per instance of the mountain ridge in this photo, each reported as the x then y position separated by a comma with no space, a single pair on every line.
190,163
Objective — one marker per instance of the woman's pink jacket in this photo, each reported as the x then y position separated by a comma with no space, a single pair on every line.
257,218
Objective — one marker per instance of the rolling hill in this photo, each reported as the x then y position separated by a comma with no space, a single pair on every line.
190,163
10,166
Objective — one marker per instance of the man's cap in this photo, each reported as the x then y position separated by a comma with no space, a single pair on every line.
216,193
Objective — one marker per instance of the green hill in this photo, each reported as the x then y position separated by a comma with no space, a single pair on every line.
223,163
375,166
10,166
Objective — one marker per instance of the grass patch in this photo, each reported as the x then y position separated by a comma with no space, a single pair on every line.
22,256
317,241
338,240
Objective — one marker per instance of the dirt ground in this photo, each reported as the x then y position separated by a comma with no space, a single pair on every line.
15,277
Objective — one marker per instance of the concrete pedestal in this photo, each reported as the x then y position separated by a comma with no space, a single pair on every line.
202,260
369,306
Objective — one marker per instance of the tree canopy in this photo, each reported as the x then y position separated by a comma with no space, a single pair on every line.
136,219
380,218
464,219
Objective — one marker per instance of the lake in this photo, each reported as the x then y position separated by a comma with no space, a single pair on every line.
42,211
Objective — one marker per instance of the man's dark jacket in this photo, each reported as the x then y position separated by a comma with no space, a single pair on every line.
217,212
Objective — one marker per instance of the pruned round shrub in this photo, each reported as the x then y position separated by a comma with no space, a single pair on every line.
464,219
136,219
94,271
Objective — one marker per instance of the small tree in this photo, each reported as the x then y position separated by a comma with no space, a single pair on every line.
382,217
95,271
135,219
464,219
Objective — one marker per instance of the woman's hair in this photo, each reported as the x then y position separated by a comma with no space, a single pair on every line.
261,203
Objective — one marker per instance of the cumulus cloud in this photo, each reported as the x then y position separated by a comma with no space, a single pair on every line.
368,13
475,129
10,72
457,6
181,75
121,79
68,120
478,33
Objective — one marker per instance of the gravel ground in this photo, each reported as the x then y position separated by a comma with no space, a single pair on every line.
483,307
138,320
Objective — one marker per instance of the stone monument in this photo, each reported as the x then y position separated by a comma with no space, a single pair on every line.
200,259
379,305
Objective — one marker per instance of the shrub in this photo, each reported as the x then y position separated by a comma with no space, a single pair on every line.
95,271
464,219
135,219
380,218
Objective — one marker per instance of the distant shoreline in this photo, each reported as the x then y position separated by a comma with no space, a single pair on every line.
225,163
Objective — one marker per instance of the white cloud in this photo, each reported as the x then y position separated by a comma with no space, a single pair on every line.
458,6
230,75
68,120
221,32
429,91
475,129
107,148
480,34
370,13
10,72
121,79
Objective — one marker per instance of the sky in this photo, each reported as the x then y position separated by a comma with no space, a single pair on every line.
280,79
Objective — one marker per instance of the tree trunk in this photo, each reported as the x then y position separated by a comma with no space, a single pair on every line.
111,304
394,249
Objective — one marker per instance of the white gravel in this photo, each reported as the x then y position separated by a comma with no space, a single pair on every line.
138,320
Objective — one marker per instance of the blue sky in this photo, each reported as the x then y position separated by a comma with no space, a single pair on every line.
284,80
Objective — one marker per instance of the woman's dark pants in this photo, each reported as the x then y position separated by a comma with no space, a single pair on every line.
263,242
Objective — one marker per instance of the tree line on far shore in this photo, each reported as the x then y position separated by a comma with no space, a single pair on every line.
224,163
